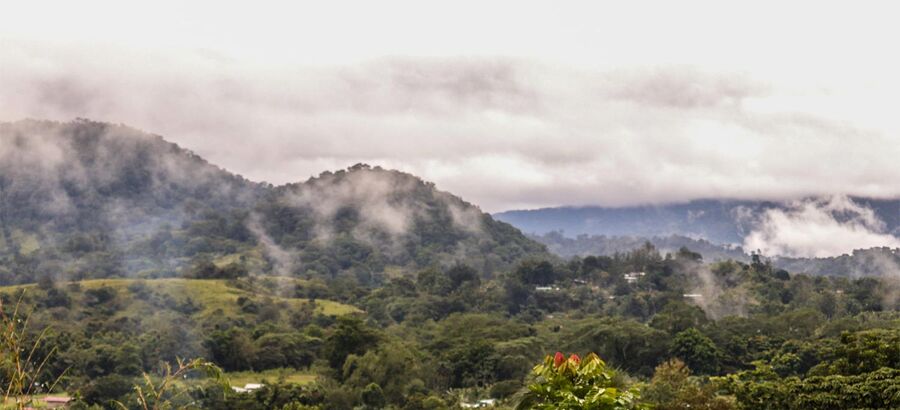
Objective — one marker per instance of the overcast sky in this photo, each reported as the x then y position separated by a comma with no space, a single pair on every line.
507,104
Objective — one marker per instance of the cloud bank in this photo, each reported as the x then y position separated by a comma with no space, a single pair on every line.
576,108
819,228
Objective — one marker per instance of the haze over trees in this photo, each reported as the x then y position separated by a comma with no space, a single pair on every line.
92,200
369,288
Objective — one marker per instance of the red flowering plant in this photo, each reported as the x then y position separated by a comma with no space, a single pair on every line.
576,383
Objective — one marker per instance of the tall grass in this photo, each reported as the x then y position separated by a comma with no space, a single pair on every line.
161,394
21,364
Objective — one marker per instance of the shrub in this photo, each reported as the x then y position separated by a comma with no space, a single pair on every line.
574,383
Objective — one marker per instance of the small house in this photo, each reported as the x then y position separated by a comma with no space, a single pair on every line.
56,402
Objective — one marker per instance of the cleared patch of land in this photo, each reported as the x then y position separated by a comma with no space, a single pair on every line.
240,379
211,296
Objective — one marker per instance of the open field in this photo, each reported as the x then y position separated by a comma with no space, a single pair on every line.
213,296
287,375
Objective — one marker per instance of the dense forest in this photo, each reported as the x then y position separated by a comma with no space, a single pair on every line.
139,276
86,200
877,261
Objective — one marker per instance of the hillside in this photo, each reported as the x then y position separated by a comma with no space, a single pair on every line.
601,245
367,220
200,299
871,262
92,200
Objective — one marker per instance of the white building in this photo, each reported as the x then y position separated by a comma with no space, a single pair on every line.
249,387
633,277
480,404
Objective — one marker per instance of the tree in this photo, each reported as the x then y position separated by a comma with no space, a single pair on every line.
627,344
673,388
472,364
434,282
373,397
697,350
460,274
573,384
351,336
392,366
283,350
232,349
533,272
164,394
761,388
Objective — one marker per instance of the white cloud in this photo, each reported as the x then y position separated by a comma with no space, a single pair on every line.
507,104
819,228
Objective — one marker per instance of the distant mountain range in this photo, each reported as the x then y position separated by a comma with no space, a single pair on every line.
717,229
717,221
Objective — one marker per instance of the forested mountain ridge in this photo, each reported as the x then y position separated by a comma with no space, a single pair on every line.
713,220
87,199
721,221
367,219
875,261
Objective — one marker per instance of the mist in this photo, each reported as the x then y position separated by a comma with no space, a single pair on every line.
822,227
384,201
503,132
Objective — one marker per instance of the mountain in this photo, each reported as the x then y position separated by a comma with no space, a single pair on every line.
368,220
871,262
715,220
719,221
86,199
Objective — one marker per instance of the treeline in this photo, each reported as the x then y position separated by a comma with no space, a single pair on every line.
742,335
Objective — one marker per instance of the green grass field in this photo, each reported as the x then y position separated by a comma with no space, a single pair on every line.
214,295
240,379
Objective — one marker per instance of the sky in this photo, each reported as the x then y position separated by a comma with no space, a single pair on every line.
509,105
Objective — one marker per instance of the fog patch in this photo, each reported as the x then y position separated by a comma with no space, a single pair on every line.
821,227
31,162
382,205
467,218
381,202
710,292
283,261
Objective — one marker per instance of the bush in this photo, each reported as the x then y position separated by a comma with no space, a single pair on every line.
573,383
504,389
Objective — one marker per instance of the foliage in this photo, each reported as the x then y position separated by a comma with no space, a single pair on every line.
673,388
696,350
23,363
351,336
574,383
158,395
762,389
367,287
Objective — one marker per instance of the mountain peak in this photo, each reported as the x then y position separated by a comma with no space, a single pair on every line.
75,192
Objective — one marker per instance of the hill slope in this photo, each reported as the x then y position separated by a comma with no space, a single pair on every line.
94,200
368,219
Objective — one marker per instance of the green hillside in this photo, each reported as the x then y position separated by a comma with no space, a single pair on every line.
90,200
212,297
